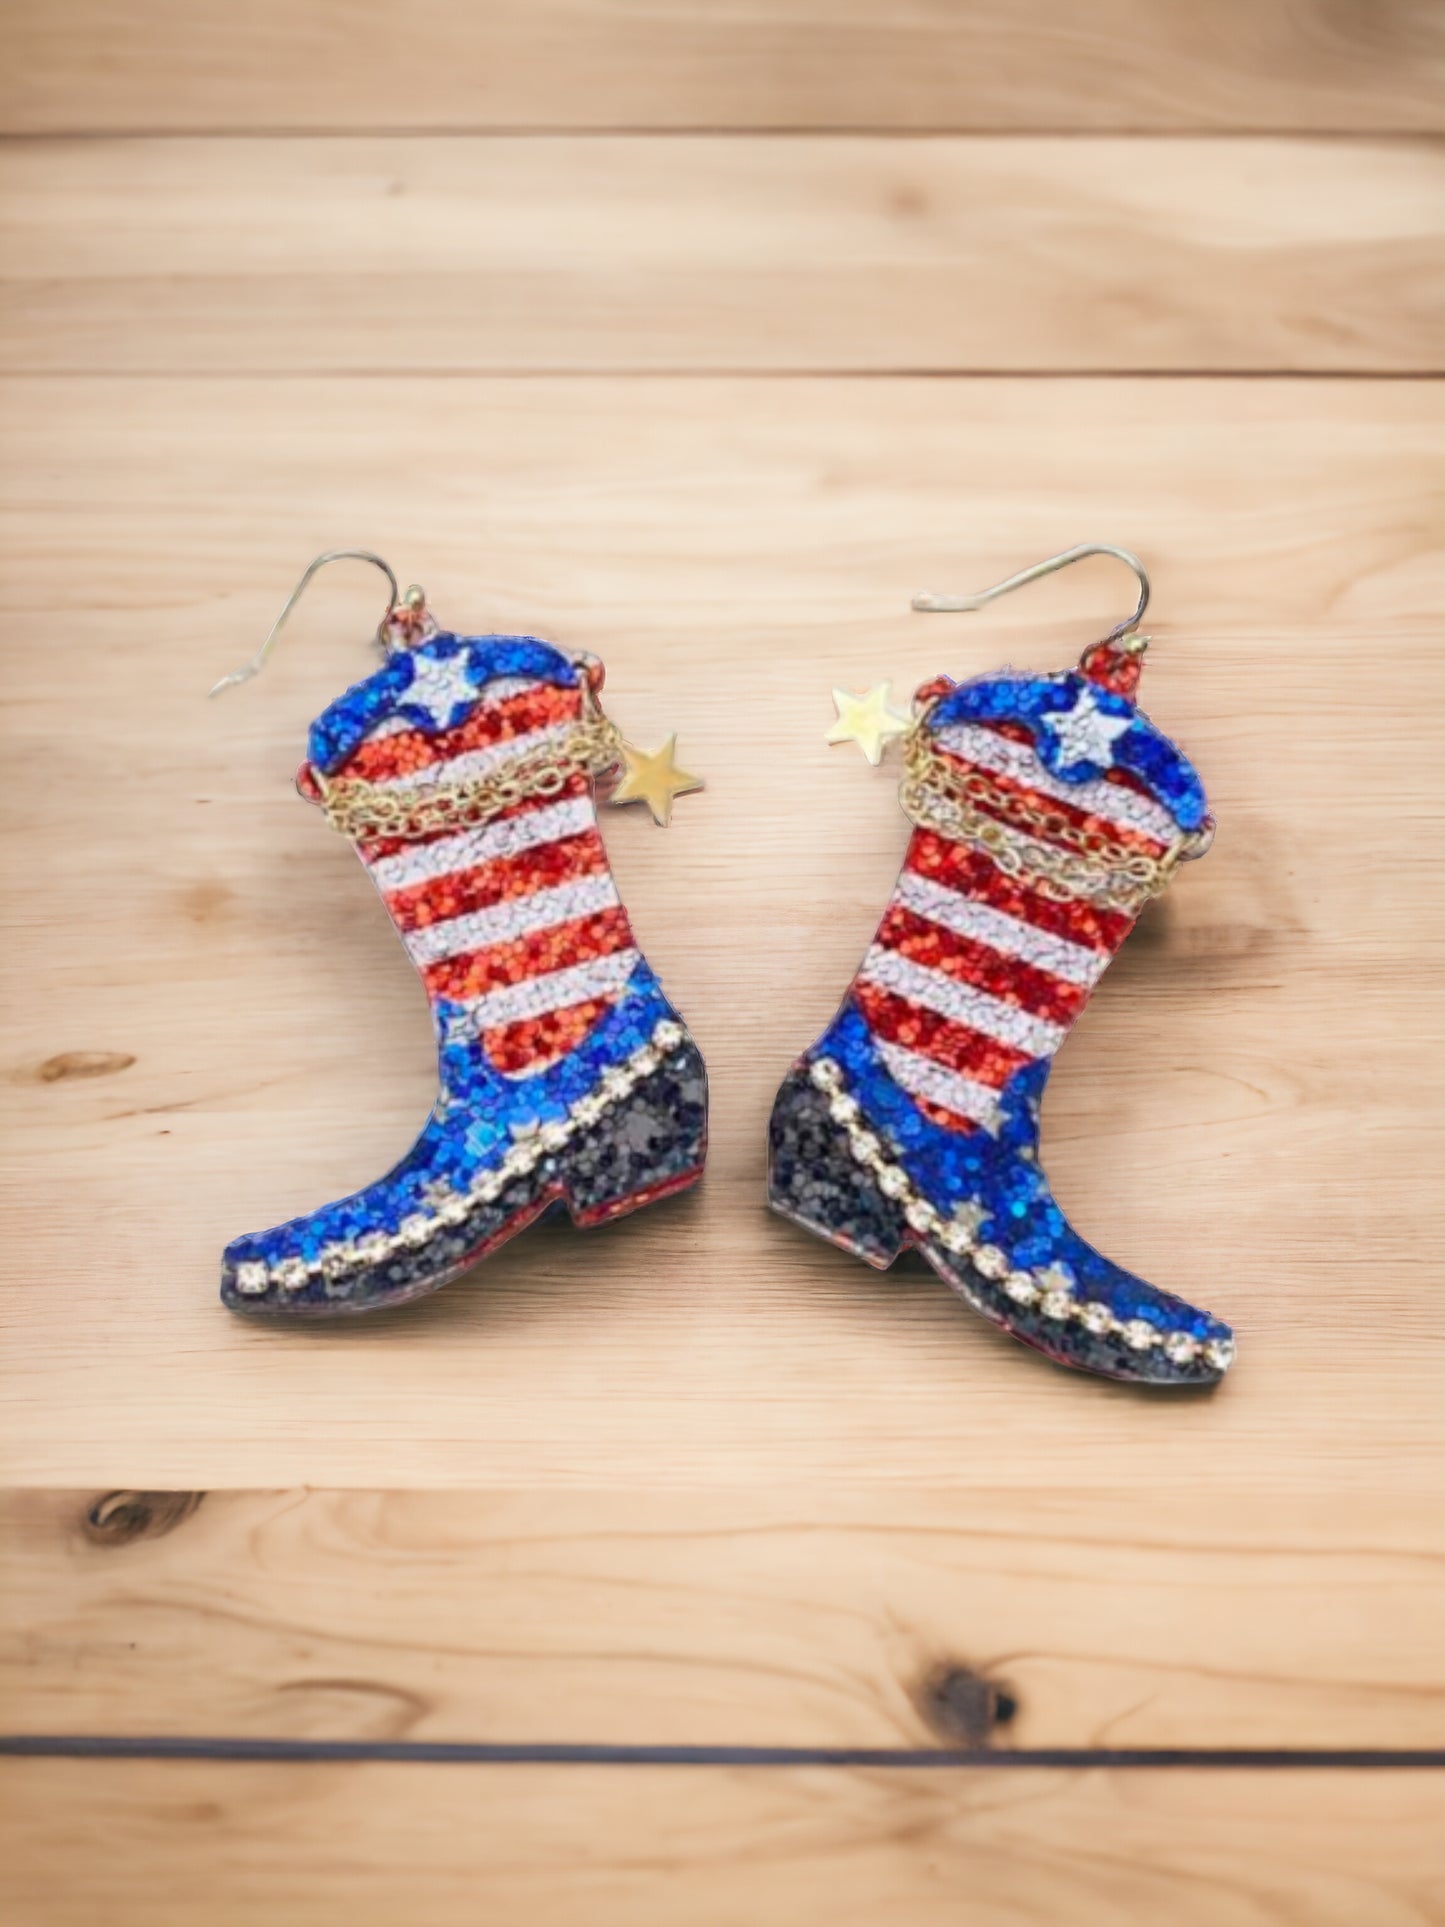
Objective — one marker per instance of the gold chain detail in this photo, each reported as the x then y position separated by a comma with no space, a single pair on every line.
360,809
939,796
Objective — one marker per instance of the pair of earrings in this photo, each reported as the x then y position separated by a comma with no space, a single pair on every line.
1046,811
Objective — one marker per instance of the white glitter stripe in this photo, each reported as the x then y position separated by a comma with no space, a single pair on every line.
424,862
501,689
1017,760
921,1077
512,918
961,1003
476,762
558,990
1010,936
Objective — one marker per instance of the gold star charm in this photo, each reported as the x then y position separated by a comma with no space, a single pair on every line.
653,779
869,720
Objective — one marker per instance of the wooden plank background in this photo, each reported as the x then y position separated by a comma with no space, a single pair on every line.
1134,65
645,255
166,1845
790,1618
771,315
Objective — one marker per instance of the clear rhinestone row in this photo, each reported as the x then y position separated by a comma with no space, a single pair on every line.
1049,1289
338,1264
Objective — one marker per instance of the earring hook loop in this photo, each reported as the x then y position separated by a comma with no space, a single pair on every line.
258,661
928,603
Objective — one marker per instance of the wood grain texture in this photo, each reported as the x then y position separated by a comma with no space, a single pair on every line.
787,1617
1163,65
163,1845
697,1479
1247,1112
576,254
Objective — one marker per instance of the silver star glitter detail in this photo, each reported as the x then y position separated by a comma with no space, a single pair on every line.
970,1215
458,1029
438,684
1086,733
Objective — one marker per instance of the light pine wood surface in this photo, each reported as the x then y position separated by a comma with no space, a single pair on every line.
638,254
1162,66
700,337
169,1844
795,1617
1247,1111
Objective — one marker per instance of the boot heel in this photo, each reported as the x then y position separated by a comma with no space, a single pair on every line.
647,1148
813,1180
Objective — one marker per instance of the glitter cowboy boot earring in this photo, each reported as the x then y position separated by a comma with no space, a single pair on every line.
463,769
1047,810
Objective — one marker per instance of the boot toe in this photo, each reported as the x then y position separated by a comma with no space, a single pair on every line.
845,1175
1133,1333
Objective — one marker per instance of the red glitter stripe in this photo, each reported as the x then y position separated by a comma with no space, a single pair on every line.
489,722
1008,787
957,866
461,891
949,1120
583,940
535,1041
953,1045
381,846
1006,977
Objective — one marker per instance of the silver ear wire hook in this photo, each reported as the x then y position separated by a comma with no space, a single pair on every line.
928,603
258,661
